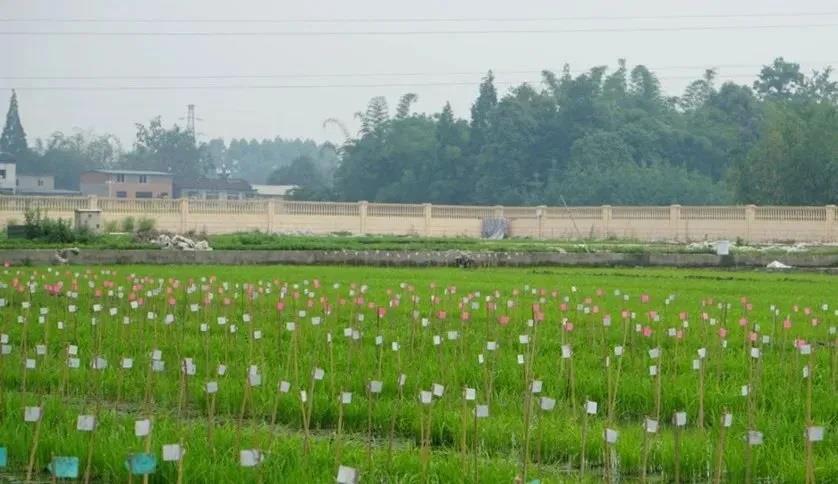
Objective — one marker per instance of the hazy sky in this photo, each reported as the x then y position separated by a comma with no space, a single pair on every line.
429,65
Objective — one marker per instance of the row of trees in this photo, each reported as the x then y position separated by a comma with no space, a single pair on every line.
603,137
599,137
173,150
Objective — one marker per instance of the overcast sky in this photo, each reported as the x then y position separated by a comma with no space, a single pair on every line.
429,65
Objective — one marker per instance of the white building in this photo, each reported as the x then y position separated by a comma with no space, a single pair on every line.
8,177
273,191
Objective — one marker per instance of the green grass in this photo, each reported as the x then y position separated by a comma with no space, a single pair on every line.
778,401
338,242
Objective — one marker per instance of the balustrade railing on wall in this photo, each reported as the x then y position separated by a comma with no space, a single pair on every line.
674,222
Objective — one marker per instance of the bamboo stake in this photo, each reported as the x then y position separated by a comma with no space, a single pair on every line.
35,440
720,447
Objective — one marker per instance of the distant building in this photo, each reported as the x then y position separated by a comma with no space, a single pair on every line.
126,184
274,191
38,183
41,186
214,189
8,174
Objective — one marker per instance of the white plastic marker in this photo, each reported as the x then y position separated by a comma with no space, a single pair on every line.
250,457
346,475
172,452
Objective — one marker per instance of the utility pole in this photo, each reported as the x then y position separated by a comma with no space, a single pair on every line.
190,120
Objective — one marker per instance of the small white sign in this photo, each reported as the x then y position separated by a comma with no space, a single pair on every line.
491,345
653,370
651,426
590,407
284,386
654,353
438,390
481,411
31,363
345,398
142,427
814,434
702,353
727,420
375,386
618,351
520,359
547,404
680,419
426,397
754,437
567,351
346,475
524,339
73,363
172,452
212,387
31,414
611,436
85,423
744,390
250,457
127,363
536,385
470,394
254,379
755,353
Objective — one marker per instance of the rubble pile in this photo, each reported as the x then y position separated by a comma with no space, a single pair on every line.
179,242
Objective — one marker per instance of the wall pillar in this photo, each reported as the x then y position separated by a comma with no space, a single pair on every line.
362,216
427,211
606,220
540,214
675,221
271,214
92,201
831,230
184,215
750,218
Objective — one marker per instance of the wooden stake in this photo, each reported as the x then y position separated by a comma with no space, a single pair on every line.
720,448
35,440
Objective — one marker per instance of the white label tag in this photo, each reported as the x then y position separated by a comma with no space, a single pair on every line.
85,423
142,427
31,414
172,452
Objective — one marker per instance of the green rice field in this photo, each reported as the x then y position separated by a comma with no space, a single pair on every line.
312,374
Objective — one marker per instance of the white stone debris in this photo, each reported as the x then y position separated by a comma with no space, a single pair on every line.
179,242
778,265
62,256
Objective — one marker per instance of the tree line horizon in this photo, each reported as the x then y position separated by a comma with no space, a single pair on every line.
600,137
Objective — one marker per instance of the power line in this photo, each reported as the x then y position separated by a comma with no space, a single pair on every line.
358,74
360,33
369,20
295,86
